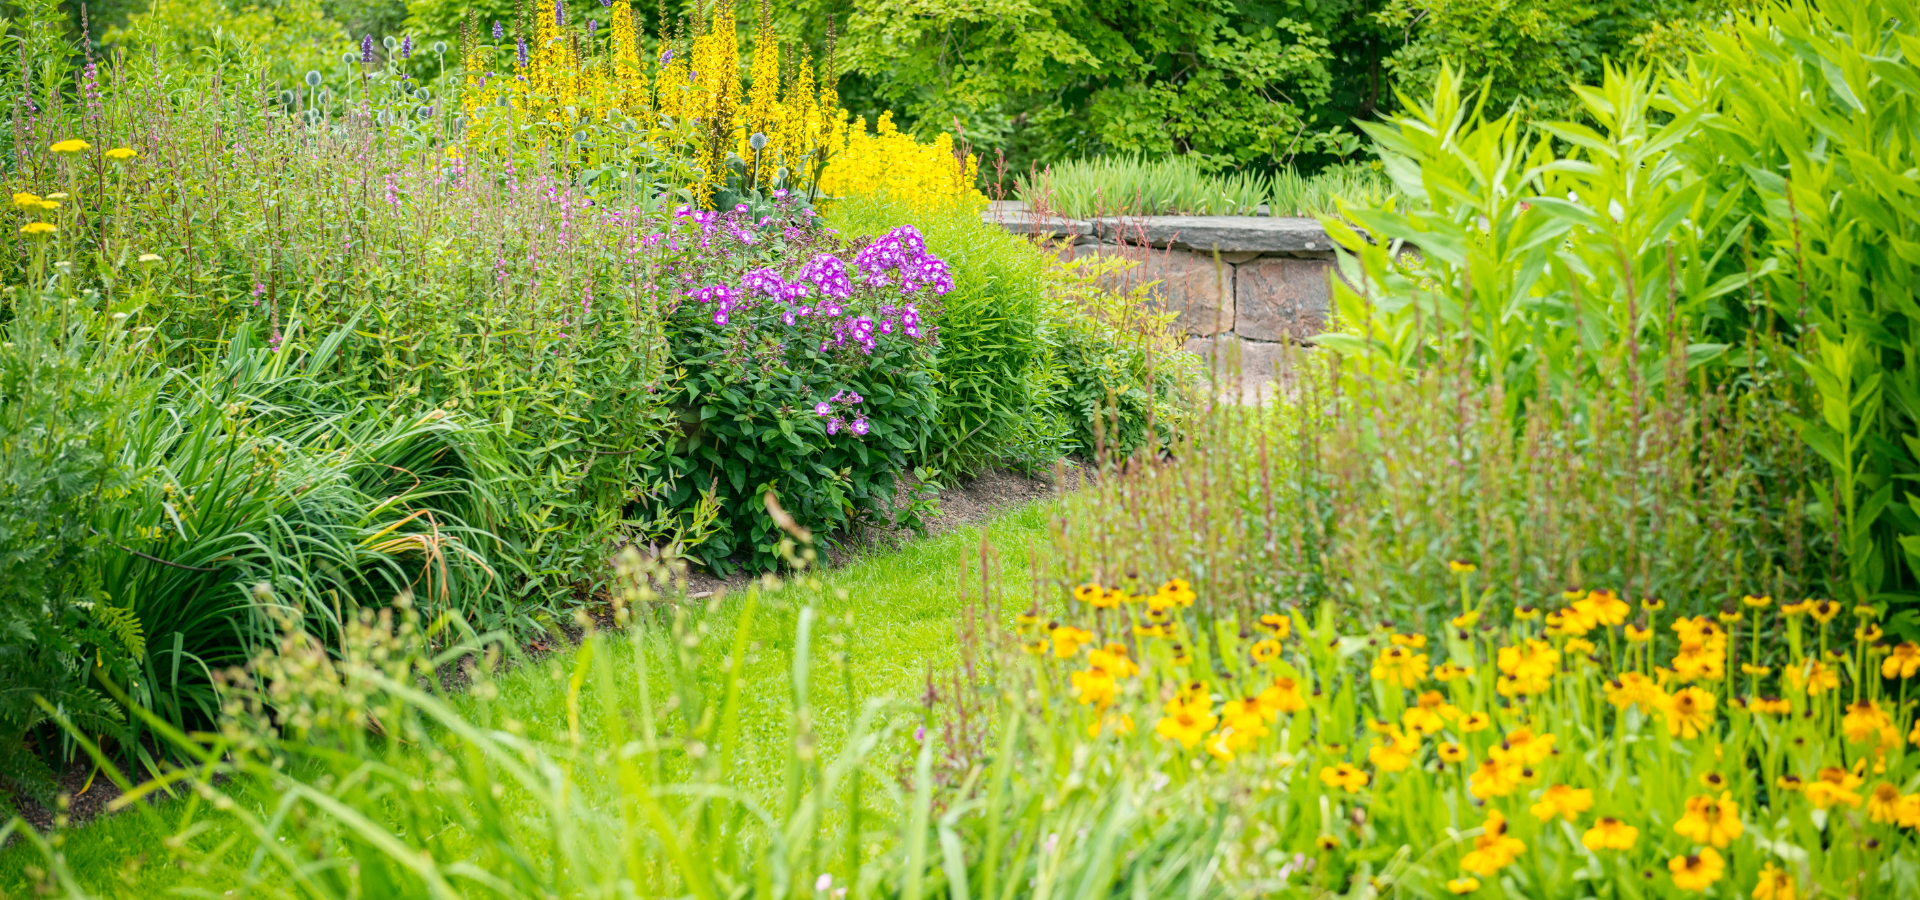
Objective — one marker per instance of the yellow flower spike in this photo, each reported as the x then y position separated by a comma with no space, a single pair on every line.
1461,567
71,145
39,228
1610,833
1465,884
1775,884
119,153
1345,777
1752,602
1698,871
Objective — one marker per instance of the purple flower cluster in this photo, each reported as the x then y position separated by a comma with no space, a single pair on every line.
904,251
835,424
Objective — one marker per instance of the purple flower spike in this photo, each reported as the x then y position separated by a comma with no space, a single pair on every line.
559,13
406,47
499,31
366,49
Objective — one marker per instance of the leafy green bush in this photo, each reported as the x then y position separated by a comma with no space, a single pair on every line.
810,376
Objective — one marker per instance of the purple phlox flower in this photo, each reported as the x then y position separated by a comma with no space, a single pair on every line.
822,409
745,236
834,425
720,317
780,194
860,426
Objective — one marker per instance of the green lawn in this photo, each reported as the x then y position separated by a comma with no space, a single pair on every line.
891,614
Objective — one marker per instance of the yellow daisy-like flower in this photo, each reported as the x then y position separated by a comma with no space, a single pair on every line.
1277,625
1638,634
1760,671
1775,884
1526,613
1451,752
1460,566
1610,834
1465,884
1447,671
1088,593
1903,662
1867,634
1345,777
71,145
121,153
1698,871
1823,611
1480,722
39,228
1654,605
1752,602
1882,803
1494,849
1689,712
1326,842
1864,611
1266,651
1563,801
1465,619
1710,821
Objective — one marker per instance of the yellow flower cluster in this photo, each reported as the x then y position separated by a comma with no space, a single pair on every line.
565,83
1576,692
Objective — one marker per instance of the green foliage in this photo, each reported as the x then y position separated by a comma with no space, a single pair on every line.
63,400
1235,83
1529,52
286,37
1833,203
746,399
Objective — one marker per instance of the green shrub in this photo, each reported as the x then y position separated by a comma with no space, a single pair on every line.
811,377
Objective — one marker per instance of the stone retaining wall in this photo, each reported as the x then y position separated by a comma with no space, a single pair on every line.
1261,283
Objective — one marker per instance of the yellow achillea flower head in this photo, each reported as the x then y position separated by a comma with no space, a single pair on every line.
118,153
1610,834
39,228
71,145
1698,871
